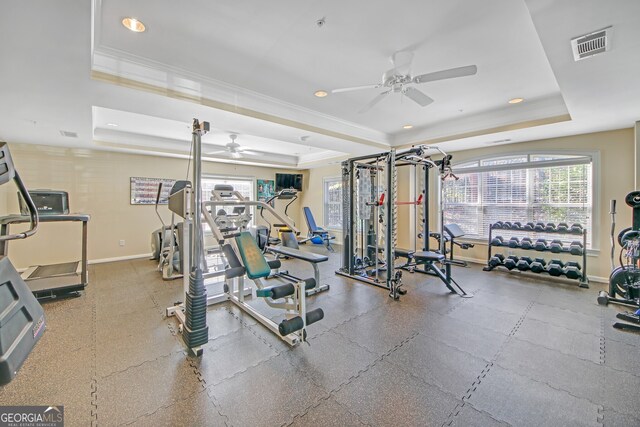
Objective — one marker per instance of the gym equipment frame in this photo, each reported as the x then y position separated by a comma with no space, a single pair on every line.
367,211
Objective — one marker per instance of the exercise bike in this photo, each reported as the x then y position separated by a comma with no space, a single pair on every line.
624,281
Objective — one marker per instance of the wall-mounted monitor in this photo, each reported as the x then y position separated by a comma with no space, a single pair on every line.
288,180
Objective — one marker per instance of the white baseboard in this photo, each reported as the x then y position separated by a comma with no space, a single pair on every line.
119,258
596,279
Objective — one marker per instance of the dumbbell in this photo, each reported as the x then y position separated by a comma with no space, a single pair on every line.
576,248
496,260
539,226
540,245
550,227
516,225
526,243
576,228
514,242
524,263
497,241
562,227
497,225
555,267
528,226
511,262
572,270
555,246
507,225
537,266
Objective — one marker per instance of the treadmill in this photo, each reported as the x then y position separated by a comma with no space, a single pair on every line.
52,281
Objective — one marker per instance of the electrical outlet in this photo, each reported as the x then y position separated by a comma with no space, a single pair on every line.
121,242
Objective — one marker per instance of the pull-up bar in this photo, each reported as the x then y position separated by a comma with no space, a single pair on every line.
381,201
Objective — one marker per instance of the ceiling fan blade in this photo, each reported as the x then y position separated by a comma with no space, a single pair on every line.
374,101
216,152
249,152
451,73
417,96
349,89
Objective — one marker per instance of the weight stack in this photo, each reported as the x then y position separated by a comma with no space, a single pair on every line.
196,331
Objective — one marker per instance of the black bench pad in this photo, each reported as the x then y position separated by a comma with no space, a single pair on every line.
427,256
405,253
298,254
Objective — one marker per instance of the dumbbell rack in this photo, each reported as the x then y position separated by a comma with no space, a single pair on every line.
583,280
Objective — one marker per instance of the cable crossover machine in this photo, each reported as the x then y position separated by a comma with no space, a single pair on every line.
370,226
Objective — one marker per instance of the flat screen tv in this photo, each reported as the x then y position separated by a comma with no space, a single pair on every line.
288,180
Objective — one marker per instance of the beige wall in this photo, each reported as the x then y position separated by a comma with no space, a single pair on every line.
98,184
613,181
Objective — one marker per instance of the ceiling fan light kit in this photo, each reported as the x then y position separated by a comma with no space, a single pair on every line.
399,80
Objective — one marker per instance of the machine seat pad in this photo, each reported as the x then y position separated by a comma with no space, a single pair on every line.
252,257
428,256
404,253
298,254
274,263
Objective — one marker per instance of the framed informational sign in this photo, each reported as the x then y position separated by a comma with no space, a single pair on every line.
145,190
266,189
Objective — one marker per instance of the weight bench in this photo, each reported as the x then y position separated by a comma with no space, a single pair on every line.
313,283
289,297
452,232
429,259
314,230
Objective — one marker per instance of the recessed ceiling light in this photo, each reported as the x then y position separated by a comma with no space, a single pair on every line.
112,124
321,93
407,127
134,25
516,100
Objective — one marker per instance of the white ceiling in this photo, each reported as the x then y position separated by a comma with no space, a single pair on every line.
251,68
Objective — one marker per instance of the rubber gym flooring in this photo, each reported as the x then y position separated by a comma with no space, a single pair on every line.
523,351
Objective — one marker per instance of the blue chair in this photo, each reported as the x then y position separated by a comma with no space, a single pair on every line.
316,232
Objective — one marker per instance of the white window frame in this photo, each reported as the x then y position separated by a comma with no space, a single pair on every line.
325,222
595,177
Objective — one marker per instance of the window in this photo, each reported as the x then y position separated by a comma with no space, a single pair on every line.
525,188
333,203
243,185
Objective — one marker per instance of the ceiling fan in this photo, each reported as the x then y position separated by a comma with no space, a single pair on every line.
399,79
233,149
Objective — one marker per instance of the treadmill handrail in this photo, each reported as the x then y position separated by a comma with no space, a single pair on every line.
33,214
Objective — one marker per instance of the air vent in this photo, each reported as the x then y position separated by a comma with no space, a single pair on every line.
591,44
68,134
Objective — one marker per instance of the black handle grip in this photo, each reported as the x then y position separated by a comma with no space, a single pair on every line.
612,207
159,192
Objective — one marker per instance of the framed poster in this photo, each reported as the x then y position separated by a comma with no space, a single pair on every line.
266,189
145,190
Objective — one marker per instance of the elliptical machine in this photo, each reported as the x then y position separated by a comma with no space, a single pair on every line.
166,241
624,281
22,320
